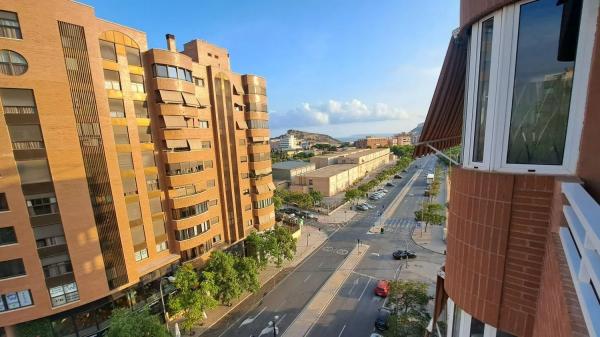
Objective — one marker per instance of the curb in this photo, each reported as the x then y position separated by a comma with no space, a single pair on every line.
412,231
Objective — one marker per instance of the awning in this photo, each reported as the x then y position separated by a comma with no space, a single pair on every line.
271,186
195,144
443,125
174,121
191,100
262,171
441,297
176,143
262,188
169,96
242,125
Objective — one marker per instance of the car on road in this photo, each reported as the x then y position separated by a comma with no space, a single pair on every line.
374,334
390,184
403,254
381,322
375,196
382,190
397,176
382,288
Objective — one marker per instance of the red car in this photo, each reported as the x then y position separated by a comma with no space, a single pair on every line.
383,288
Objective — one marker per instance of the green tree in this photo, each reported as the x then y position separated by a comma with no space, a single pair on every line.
402,150
222,265
316,196
410,299
277,200
280,245
247,269
431,213
128,323
37,328
353,194
257,249
193,297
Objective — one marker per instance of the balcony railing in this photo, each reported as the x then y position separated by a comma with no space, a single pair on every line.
29,145
581,243
20,110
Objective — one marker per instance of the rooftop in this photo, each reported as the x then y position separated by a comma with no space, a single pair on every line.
366,152
339,153
292,164
329,171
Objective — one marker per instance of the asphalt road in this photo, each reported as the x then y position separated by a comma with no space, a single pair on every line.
352,312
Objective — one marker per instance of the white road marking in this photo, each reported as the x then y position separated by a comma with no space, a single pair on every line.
306,279
252,319
320,264
376,254
365,275
363,292
353,285
341,332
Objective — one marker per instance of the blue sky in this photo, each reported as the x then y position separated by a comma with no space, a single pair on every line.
342,67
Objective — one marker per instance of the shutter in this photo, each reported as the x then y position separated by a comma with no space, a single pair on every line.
242,125
169,96
174,121
191,100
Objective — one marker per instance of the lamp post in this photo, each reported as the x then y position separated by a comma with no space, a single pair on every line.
162,298
273,324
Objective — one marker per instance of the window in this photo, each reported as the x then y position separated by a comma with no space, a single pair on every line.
34,171
145,134
244,159
12,63
206,144
117,110
260,107
199,81
108,51
217,238
172,72
156,205
133,56
246,192
41,204
456,321
64,294
203,124
141,254
7,236
26,137
138,236
525,99
256,157
263,203
161,246
161,70
152,183
49,235
11,268
125,161
186,212
148,159
158,226
141,109
129,186
121,134
56,265
112,80
18,101
133,211
9,25
137,82
184,191
188,233
184,168
477,328
258,124
210,183
15,300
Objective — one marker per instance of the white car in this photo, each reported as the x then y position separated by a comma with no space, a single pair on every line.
376,335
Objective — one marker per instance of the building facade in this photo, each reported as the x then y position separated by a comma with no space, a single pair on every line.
118,163
401,139
523,256
289,169
289,142
372,142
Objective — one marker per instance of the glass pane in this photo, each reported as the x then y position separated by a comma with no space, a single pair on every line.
456,322
503,334
477,328
34,171
137,235
483,81
133,56
107,50
172,72
160,70
542,88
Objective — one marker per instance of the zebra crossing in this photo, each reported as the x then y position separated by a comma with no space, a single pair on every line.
397,225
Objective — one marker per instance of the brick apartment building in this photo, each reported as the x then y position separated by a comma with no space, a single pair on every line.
117,163
519,91
373,142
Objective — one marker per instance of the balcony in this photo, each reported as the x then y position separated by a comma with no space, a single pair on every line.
29,145
581,244
20,110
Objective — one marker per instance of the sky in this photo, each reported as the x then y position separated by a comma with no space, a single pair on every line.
341,67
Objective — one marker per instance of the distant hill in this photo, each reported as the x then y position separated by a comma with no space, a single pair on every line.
312,137
418,129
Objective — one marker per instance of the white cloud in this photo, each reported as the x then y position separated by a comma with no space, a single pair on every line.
336,112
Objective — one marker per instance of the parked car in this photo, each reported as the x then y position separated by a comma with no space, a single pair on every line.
278,216
374,334
288,210
403,254
307,215
368,205
390,184
397,176
361,207
381,322
375,196
382,288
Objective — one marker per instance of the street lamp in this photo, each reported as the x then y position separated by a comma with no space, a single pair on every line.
273,324
162,298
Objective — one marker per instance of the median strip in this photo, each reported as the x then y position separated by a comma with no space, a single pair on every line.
311,313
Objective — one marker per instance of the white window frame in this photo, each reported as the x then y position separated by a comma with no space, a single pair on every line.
504,48
464,323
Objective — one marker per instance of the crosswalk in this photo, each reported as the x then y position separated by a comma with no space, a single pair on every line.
397,225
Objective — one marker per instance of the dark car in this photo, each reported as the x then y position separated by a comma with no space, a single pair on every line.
381,322
390,184
397,176
288,210
403,254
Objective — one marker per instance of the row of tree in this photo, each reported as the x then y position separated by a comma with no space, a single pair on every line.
226,276
299,199
360,191
431,212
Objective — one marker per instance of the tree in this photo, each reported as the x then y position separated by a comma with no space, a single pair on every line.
257,249
277,200
353,194
280,245
247,269
193,297
222,265
128,323
402,150
430,214
409,299
316,196
37,328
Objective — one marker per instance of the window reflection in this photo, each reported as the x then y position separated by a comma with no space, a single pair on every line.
487,31
542,88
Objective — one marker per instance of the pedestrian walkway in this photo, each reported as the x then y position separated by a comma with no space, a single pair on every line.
342,215
310,239
432,240
317,305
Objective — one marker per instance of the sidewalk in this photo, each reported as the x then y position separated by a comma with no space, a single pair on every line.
310,234
432,240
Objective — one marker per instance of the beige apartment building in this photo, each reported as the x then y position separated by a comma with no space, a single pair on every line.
118,163
401,139
372,142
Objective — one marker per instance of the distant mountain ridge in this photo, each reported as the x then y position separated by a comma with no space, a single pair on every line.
311,136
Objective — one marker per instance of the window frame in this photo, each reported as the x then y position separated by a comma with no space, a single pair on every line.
500,95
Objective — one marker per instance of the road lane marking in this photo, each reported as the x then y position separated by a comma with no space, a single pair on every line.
365,288
353,285
306,279
341,332
320,264
252,319
365,275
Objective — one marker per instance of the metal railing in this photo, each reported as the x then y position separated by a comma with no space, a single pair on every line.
28,145
20,110
581,244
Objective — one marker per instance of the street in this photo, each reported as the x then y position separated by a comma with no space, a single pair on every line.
353,309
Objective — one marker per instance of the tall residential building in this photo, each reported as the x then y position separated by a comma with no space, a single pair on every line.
519,90
118,163
289,142
372,142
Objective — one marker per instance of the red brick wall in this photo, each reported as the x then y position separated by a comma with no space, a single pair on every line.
529,223
559,314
